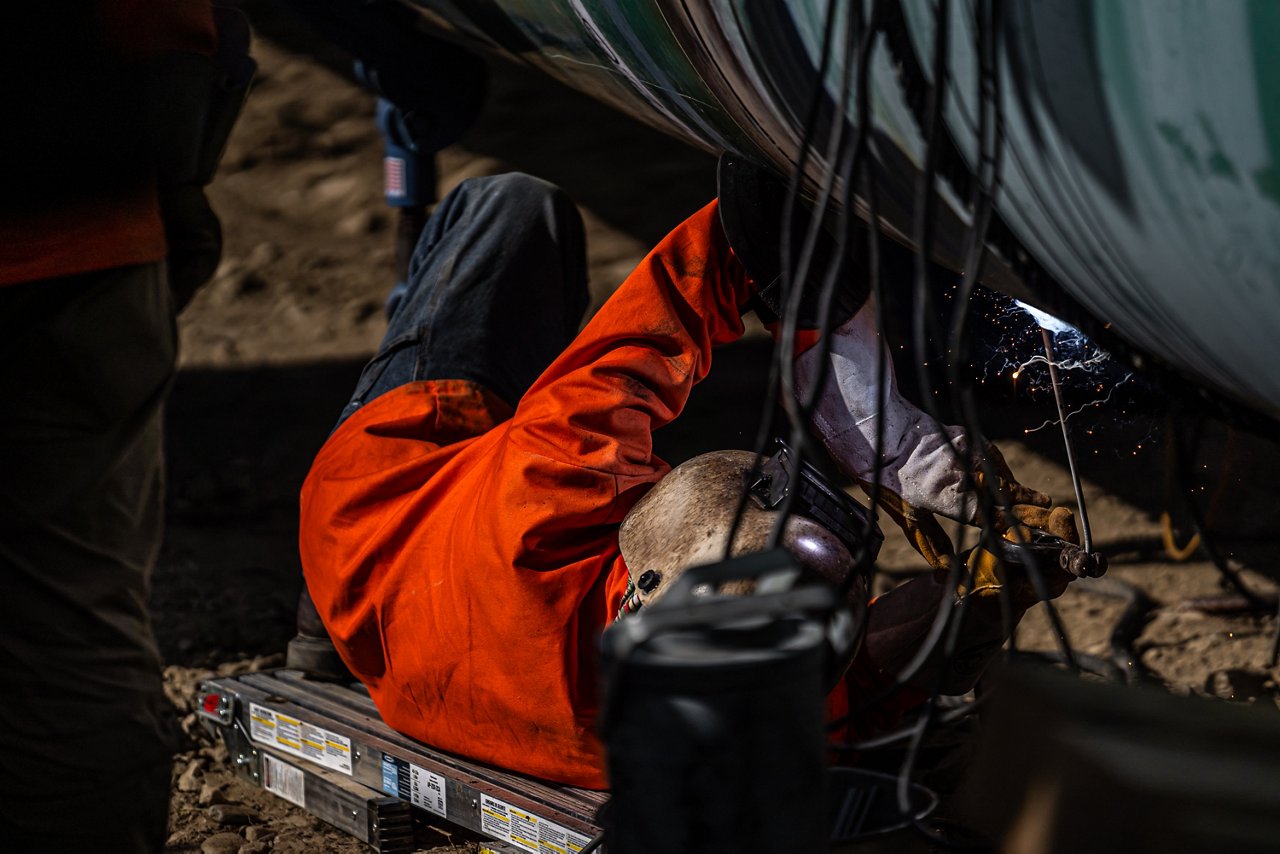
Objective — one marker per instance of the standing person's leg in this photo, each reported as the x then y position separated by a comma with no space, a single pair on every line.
84,723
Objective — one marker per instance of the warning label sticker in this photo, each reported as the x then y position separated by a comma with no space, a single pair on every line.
495,819
555,839
298,738
417,785
284,780
526,831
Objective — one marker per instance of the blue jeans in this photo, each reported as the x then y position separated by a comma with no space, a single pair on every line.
497,288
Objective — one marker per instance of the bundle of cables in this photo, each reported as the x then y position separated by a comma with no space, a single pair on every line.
844,170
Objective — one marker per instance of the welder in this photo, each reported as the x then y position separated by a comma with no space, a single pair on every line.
114,115
460,530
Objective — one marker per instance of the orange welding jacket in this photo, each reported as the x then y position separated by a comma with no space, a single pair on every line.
465,558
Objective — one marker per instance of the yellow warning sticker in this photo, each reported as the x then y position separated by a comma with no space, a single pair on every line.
299,738
526,831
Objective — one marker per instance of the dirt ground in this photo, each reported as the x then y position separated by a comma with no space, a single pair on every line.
272,348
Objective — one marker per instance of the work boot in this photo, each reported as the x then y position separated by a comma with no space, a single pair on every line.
312,651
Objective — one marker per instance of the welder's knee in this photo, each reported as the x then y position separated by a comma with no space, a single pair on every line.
518,191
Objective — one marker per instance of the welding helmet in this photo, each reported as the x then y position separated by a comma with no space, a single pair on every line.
686,520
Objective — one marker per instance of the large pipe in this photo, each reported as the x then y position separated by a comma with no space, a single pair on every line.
1141,155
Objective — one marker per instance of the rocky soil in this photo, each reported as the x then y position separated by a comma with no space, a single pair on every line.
272,347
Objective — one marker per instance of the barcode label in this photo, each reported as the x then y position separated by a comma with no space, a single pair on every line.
281,778
418,786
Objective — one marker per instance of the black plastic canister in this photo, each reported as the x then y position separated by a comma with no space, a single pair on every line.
713,724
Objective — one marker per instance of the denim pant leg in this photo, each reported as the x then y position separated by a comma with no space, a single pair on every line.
497,287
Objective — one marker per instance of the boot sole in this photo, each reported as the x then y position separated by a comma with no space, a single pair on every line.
317,658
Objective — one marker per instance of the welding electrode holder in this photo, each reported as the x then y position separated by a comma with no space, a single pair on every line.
1049,550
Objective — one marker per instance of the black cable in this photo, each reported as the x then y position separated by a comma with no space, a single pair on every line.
906,771
986,30
901,733
990,125
866,565
847,163
765,432
945,607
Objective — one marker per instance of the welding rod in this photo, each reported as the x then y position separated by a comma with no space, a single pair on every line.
1085,533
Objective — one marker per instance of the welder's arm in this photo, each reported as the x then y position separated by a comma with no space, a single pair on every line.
926,468
631,369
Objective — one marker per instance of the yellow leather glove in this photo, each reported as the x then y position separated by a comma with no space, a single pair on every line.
988,577
1030,509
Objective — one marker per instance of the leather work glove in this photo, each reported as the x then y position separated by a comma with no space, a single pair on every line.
927,470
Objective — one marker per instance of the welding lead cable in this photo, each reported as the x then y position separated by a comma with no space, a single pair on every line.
839,157
923,239
865,564
990,104
946,608
987,34
849,165
922,235
935,633
850,168
927,718
903,732
773,384
795,278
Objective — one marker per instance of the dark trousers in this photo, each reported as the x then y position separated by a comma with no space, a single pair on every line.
496,289
85,731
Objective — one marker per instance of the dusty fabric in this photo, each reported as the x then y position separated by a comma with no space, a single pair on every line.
920,457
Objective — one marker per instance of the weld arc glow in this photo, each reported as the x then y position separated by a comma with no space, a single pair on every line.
1048,321
1074,354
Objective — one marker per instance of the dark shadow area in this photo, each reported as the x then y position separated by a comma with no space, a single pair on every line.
239,443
